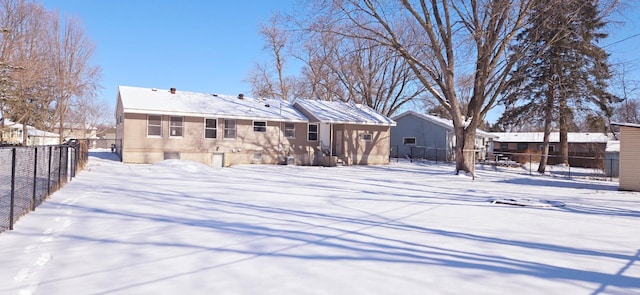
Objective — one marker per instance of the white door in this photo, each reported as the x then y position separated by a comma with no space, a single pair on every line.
325,135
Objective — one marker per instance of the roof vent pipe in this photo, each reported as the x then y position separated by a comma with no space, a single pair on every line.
173,90
240,96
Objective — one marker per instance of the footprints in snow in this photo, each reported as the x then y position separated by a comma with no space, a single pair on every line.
62,222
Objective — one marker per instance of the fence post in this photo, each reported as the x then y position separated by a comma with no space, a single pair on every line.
530,160
35,178
13,187
60,169
49,172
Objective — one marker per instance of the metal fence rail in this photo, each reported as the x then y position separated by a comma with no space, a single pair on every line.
28,175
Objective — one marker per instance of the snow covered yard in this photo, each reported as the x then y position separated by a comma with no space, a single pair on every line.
407,228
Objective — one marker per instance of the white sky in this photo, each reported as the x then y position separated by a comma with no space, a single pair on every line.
407,228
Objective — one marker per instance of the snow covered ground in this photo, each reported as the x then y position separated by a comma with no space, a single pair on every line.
407,228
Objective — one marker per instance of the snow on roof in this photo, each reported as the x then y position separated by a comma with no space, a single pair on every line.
613,146
183,103
627,124
448,124
553,137
31,131
339,112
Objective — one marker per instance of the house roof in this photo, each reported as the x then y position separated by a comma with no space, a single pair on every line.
627,124
575,137
448,124
31,131
339,112
613,146
183,103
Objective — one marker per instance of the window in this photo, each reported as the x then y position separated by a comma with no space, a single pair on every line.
175,127
210,128
409,140
552,148
154,125
312,134
504,146
259,126
229,128
289,130
367,136
523,146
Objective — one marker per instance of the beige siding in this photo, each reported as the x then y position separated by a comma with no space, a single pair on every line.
629,158
358,151
249,146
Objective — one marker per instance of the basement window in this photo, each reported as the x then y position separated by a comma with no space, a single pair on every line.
367,136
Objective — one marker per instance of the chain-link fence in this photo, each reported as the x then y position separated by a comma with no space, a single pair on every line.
28,175
598,167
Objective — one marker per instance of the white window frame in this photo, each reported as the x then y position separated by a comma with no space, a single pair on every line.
317,133
290,132
404,141
367,136
154,125
258,128
215,129
226,131
176,131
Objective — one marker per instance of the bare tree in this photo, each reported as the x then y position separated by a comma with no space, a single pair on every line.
628,111
74,77
24,49
439,40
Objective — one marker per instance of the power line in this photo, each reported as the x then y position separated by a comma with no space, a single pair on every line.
625,39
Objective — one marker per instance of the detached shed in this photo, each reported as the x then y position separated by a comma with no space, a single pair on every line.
629,156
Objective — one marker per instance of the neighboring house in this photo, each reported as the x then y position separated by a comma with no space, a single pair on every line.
12,135
353,134
585,149
431,137
78,131
219,130
629,156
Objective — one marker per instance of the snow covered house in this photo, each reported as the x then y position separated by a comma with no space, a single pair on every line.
12,134
220,130
353,134
629,156
585,149
430,137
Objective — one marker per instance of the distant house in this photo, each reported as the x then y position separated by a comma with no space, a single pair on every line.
77,130
221,130
629,156
585,149
13,135
430,137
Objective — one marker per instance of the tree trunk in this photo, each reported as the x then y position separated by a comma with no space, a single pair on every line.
548,119
564,130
